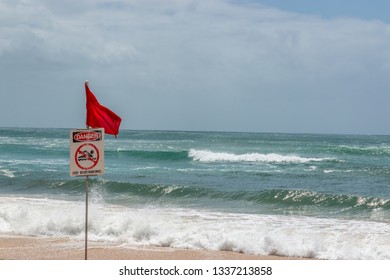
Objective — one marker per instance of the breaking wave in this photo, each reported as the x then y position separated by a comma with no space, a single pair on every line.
185,228
209,156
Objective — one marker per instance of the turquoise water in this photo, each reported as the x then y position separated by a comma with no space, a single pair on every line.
324,196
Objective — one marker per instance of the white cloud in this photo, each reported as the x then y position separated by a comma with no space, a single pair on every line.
53,33
187,55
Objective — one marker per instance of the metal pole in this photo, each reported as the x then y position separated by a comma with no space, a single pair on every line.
86,212
86,217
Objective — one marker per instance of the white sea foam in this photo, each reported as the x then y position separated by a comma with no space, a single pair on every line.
186,228
376,150
209,156
7,173
36,162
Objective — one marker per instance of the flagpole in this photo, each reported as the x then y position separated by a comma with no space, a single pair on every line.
86,212
86,207
86,217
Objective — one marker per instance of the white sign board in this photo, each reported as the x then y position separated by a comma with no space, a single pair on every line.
87,152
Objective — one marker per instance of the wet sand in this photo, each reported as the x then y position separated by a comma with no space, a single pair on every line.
48,248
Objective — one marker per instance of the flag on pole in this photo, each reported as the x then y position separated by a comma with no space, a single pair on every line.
100,116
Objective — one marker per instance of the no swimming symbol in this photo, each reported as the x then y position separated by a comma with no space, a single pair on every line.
87,156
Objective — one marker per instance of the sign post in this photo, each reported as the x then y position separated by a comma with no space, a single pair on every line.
86,159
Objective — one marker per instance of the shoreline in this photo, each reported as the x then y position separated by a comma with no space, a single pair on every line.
51,248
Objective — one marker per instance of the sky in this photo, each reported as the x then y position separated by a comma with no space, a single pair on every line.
295,66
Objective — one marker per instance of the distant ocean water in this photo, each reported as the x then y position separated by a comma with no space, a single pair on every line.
306,195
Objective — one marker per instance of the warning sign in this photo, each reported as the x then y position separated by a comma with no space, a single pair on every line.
87,152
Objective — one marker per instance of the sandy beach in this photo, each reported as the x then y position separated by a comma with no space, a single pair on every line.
46,248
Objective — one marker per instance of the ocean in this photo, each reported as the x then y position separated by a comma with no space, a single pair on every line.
300,195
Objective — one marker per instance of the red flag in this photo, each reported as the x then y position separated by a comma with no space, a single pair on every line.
100,116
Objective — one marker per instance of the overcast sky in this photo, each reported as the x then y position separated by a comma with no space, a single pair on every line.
224,65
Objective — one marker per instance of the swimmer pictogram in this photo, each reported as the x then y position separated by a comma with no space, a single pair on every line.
87,156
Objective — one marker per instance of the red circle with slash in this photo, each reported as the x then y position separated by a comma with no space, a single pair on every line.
87,156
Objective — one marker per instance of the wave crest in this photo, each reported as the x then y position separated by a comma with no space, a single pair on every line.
209,156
